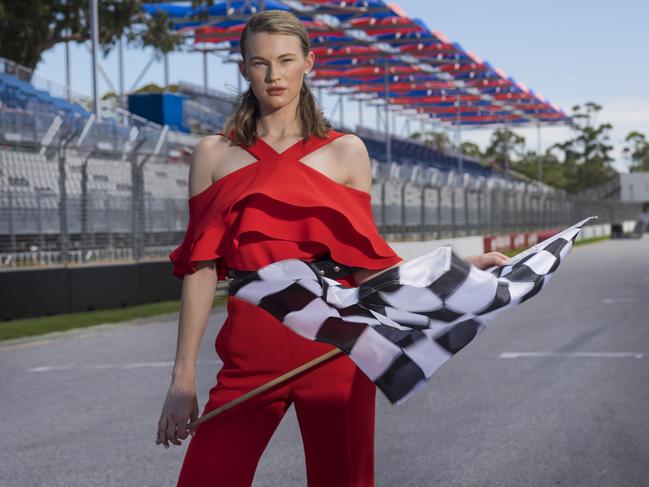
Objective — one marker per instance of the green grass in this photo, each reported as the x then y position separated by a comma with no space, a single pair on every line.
512,253
47,324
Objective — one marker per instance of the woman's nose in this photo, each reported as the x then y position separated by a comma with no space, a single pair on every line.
272,73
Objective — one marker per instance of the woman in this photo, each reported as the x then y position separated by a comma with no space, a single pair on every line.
278,183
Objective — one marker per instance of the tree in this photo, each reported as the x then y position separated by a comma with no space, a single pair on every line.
586,157
553,173
471,149
502,146
434,139
636,149
154,88
28,28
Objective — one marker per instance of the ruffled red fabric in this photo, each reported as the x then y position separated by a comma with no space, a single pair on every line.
280,199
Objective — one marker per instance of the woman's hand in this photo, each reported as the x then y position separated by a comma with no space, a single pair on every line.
487,260
180,407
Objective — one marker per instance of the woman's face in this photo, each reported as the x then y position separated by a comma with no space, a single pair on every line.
275,61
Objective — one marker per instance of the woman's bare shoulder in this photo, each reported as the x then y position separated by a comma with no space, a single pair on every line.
349,142
206,157
212,144
348,148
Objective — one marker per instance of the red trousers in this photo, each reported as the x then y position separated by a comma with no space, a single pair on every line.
334,404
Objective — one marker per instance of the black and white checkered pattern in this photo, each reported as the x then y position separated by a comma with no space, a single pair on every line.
400,326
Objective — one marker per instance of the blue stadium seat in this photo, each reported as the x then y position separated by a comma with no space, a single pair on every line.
16,93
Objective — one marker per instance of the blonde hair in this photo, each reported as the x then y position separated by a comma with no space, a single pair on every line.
242,123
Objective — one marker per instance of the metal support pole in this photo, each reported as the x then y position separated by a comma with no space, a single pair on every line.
388,141
68,72
342,110
138,205
163,135
394,123
13,245
458,137
404,185
166,70
422,212
538,140
142,73
383,206
439,212
94,38
378,118
481,226
507,162
360,113
120,67
465,198
239,81
452,211
64,235
205,74
84,203
492,209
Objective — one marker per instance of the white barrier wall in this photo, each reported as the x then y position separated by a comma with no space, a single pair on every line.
604,229
463,246
474,245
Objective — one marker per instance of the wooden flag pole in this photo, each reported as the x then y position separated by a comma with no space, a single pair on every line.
192,425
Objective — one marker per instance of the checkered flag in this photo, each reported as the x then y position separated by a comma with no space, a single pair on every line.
401,325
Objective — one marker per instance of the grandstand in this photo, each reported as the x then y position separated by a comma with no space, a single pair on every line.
15,93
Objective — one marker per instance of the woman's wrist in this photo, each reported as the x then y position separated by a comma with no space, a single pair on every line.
182,372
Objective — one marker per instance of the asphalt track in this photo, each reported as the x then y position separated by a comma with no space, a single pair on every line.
555,393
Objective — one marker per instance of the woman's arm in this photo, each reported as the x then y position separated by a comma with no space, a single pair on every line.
196,301
181,403
197,297
198,288
487,260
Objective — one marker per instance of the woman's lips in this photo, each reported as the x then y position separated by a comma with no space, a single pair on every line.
275,91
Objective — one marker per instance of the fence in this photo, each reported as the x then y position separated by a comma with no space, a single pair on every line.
427,204
76,207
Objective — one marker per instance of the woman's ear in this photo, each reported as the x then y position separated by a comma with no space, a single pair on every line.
310,60
242,70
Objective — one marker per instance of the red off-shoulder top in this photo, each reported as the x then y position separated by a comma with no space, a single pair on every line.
276,208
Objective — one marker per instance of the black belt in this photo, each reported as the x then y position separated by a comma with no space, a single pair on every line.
325,267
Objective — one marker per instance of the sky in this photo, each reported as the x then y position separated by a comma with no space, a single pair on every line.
570,51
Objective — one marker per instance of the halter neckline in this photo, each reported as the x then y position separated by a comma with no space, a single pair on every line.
264,151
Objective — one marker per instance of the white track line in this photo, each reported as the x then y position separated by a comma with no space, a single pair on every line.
125,366
574,354
619,300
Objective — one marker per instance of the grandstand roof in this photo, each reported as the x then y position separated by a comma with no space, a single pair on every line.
362,47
